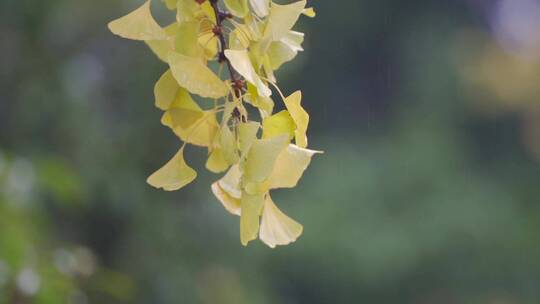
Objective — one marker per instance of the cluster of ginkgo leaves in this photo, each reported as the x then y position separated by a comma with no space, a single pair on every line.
251,39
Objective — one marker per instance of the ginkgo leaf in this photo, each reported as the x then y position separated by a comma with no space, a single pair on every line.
279,124
210,43
230,183
285,49
252,206
230,203
264,104
162,47
238,8
276,227
174,175
185,118
261,158
228,145
186,10
216,163
247,134
282,18
138,25
261,7
165,90
192,74
300,117
200,133
290,166
187,37
242,64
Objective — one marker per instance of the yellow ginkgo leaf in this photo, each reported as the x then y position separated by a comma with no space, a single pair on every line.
276,227
290,166
260,7
230,183
200,133
285,49
279,124
282,18
264,104
261,158
242,64
174,175
247,134
230,203
184,118
238,8
210,43
196,77
216,162
252,206
138,25
187,10
165,90
187,37
227,142
162,47
300,117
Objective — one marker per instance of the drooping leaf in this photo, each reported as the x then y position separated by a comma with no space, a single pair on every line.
216,162
261,158
187,37
192,74
290,166
138,25
230,203
162,47
282,18
174,175
279,124
247,134
300,117
228,145
252,206
276,227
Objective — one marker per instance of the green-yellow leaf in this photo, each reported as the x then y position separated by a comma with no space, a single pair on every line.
276,227
290,166
239,8
173,175
138,25
285,49
230,183
242,64
261,158
230,203
162,47
192,74
247,134
264,104
228,145
187,37
185,118
252,206
216,163
300,117
279,124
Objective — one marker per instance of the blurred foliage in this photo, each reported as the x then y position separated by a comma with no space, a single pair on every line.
423,195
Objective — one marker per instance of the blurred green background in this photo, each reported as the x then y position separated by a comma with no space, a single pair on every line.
429,114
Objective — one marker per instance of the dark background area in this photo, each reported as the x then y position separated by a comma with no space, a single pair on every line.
428,192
